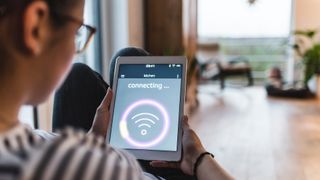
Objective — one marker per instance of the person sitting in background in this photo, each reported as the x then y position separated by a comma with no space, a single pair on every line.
276,86
36,49
275,78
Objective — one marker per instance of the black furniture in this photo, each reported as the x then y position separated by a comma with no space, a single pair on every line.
238,66
235,69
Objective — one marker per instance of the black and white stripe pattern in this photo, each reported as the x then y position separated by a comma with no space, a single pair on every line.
73,155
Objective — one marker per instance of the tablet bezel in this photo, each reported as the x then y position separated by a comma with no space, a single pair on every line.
173,156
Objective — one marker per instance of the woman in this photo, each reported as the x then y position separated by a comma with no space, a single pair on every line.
36,50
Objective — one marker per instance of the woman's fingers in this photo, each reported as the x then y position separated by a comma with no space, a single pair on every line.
102,116
106,102
185,122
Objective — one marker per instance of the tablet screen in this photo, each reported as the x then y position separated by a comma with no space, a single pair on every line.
146,108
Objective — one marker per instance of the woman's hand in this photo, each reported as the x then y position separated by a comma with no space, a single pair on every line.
102,116
191,147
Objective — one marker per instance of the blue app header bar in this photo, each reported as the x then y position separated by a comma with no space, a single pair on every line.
155,71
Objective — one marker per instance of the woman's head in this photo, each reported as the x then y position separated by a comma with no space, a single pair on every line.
37,43
275,73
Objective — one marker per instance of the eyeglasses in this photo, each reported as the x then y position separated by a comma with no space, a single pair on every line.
83,37
84,34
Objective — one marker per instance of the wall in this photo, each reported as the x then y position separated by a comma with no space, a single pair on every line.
45,114
163,25
307,14
136,23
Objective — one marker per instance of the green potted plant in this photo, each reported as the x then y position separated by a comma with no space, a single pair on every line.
308,49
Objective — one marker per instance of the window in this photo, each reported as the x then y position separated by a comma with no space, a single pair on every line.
238,19
26,116
258,32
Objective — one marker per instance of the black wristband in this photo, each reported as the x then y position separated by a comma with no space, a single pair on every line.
198,161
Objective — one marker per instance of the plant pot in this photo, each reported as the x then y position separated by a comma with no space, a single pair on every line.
314,85
318,86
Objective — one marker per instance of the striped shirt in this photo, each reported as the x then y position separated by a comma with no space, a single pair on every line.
73,155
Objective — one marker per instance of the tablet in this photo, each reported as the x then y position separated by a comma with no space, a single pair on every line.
147,107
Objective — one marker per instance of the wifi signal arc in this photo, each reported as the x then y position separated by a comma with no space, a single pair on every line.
145,119
147,125
146,114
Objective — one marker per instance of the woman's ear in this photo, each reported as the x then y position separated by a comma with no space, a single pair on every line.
34,25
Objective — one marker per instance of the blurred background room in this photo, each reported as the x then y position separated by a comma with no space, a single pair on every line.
253,75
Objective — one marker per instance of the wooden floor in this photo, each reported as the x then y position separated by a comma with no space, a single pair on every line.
258,138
